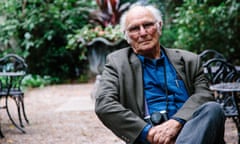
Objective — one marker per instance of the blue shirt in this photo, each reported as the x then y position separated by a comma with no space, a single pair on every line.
155,72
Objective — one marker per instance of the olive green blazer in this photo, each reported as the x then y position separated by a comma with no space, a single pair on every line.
120,98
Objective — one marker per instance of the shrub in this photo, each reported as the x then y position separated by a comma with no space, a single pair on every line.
209,25
37,30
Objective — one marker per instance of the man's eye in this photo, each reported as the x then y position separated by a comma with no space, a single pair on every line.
134,29
148,25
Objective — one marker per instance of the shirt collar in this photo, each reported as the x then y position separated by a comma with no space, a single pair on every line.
145,60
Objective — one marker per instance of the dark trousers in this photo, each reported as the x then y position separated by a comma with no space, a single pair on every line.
205,127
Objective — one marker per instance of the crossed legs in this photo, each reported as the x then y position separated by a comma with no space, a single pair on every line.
205,127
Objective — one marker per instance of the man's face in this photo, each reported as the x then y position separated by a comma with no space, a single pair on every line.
141,28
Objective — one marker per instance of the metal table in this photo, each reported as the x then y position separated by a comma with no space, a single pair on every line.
226,87
228,98
8,82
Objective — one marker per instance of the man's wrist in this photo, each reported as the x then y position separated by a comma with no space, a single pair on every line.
181,121
144,133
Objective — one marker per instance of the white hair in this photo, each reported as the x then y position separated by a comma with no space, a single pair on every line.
153,10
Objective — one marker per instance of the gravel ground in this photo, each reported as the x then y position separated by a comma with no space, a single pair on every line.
63,114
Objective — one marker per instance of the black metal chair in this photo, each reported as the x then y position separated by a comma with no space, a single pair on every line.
210,54
218,70
12,70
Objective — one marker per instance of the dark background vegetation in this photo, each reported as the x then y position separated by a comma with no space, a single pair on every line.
38,30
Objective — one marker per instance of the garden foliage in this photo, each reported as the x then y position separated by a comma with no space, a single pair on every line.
39,30
209,24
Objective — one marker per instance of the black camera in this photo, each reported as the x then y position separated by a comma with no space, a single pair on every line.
156,118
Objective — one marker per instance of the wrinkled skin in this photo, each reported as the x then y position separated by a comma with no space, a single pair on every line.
165,133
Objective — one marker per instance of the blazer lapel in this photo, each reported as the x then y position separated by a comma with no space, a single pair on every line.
178,63
139,96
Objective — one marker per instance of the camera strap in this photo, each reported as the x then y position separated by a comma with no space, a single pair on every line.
166,86
166,92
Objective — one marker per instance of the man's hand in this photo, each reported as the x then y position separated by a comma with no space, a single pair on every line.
165,133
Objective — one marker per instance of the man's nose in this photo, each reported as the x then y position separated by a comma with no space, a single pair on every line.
142,31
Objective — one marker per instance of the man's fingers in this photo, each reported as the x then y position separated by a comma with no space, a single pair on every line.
151,135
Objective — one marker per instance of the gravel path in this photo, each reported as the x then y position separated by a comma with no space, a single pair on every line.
63,114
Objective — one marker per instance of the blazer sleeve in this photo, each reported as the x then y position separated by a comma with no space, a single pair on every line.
121,120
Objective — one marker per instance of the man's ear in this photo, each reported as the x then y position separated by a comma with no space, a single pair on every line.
159,28
159,24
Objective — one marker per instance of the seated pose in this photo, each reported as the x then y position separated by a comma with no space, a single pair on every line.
149,94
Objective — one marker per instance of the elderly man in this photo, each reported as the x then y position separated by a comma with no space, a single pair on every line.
151,94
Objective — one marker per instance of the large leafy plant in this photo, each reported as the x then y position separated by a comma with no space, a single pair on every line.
103,23
37,30
209,24
108,12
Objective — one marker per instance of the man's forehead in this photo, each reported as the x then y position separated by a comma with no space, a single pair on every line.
139,14
138,10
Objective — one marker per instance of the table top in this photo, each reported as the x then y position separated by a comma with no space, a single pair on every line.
12,73
226,87
215,68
